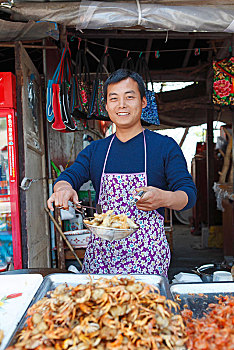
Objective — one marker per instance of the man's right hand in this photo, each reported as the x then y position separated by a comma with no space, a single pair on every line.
63,192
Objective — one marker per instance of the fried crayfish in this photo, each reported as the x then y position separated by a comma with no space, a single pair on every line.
118,313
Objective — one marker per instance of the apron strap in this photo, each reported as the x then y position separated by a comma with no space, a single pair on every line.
104,166
145,157
107,154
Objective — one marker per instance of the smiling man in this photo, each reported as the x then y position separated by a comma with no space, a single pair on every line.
121,165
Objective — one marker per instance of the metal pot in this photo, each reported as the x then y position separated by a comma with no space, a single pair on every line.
206,271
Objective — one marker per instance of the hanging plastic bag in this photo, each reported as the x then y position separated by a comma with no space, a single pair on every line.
63,120
49,97
81,87
49,92
150,112
97,107
223,85
65,92
57,107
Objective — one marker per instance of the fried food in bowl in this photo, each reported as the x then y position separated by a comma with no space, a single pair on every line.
110,226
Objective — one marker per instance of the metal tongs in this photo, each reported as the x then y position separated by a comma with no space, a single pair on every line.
136,198
80,208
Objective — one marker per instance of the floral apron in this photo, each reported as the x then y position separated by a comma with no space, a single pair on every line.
144,252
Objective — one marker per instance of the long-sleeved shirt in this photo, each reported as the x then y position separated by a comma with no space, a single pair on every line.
166,165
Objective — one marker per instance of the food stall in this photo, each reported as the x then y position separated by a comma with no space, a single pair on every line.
125,312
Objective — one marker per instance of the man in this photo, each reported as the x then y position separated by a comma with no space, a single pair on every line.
119,166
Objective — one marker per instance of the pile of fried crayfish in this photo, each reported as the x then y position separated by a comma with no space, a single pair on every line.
117,313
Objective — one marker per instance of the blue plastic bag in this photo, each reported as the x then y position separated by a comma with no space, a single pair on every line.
150,112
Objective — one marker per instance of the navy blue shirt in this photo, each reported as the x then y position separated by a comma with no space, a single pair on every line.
166,165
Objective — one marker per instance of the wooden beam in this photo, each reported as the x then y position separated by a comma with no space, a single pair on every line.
28,46
184,137
63,35
196,103
188,53
197,73
224,51
148,48
143,34
106,43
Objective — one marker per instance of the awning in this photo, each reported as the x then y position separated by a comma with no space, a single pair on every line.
128,14
14,31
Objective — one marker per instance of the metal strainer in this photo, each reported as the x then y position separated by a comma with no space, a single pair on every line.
110,233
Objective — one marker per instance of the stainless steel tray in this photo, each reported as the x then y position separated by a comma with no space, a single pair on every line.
197,296
50,282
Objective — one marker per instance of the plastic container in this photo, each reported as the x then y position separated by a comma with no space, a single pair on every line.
74,224
222,276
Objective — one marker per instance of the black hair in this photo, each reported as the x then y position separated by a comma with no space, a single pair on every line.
122,74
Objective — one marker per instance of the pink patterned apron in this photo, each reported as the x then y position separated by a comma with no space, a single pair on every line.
144,252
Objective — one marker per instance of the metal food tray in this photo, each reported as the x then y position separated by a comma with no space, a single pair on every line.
50,282
198,296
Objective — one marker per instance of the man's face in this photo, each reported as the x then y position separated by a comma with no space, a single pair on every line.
124,104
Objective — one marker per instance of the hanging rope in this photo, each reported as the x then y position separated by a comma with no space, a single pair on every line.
153,51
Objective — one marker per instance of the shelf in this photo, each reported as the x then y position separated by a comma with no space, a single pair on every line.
80,252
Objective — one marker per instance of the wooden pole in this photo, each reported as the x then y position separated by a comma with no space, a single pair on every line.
28,46
63,236
148,48
188,53
184,137
210,169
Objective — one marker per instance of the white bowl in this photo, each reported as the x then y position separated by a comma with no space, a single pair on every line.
78,238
